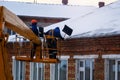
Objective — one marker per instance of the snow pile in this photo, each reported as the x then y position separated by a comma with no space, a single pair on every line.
104,21
46,10
16,37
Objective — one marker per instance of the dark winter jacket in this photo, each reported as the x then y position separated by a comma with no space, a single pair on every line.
55,32
34,29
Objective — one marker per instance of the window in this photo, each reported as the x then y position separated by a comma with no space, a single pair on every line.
18,70
85,69
63,70
10,32
37,71
58,71
113,69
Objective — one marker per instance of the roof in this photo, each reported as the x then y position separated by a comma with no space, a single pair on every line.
46,10
103,21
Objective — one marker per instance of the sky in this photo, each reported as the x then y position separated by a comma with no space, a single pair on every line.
70,2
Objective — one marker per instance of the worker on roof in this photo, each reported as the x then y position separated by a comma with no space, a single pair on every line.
34,26
38,32
52,42
54,32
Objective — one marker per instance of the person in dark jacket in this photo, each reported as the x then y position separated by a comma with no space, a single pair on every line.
35,30
34,26
52,43
54,32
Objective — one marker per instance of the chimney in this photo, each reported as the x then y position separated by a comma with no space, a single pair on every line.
64,2
101,4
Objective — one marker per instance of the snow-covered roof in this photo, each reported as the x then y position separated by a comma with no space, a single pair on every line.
16,37
46,10
104,21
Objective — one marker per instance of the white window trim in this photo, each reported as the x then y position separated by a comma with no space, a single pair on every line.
66,70
107,68
82,68
14,68
85,56
111,56
32,70
52,71
62,57
53,66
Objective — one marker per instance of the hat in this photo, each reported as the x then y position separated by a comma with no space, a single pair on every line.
33,21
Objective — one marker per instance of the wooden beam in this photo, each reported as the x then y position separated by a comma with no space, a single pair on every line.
10,20
5,73
2,68
1,20
14,23
43,60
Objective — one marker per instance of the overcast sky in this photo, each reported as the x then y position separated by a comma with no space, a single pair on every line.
71,2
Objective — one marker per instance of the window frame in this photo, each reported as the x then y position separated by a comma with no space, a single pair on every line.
32,69
107,67
52,68
83,68
17,67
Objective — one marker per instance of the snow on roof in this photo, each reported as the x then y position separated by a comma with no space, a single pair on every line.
46,10
16,37
104,21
